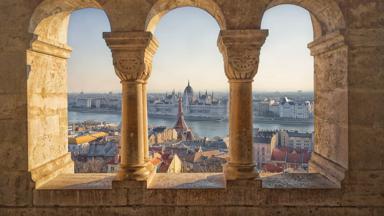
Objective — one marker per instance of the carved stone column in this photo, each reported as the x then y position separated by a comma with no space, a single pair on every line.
241,49
145,122
132,57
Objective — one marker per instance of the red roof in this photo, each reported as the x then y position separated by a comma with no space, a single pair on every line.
290,155
278,155
294,157
268,167
155,161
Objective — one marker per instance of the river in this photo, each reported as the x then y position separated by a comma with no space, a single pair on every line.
202,128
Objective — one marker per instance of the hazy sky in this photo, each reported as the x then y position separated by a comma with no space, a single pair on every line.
188,51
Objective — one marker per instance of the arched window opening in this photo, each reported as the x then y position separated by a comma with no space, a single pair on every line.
49,74
283,102
94,99
188,99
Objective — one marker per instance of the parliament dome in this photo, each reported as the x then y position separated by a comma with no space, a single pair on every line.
188,90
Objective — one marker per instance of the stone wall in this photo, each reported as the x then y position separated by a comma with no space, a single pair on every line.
47,110
349,125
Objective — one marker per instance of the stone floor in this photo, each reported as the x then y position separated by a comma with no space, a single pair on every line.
296,180
188,181
80,181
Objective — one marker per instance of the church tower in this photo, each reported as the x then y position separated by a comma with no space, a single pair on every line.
180,125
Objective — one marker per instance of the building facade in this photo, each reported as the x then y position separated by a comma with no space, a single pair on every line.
197,107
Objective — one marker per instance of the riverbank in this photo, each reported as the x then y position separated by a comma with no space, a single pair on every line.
256,119
202,128
283,121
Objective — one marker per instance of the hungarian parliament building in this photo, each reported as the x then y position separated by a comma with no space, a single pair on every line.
196,107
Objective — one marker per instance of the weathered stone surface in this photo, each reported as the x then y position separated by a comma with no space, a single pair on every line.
15,189
187,181
349,81
14,134
364,151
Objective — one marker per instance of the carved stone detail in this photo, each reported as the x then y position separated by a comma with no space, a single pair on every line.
132,54
241,50
327,43
51,48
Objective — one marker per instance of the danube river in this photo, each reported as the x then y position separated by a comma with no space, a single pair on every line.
202,128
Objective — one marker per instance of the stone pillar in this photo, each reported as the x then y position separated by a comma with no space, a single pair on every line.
330,150
48,154
241,50
145,122
132,57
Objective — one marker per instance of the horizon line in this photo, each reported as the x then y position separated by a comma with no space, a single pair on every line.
217,91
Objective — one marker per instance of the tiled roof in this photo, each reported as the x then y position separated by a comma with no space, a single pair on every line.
290,155
155,161
269,167
86,138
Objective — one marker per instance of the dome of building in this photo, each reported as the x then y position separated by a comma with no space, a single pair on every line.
188,90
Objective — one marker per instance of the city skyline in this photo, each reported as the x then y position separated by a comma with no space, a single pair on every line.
184,56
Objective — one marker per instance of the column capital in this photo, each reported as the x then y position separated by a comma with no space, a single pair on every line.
241,51
132,54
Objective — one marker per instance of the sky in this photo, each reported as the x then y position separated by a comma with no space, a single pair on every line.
188,51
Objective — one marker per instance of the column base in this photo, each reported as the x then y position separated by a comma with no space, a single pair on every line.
240,171
135,173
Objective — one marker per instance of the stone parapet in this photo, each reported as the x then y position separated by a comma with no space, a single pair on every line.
50,170
328,168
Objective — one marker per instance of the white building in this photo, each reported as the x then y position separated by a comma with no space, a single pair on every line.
296,140
198,107
274,107
294,110
84,102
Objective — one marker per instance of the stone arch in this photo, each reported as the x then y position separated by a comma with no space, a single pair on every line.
330,52
50,18
326,14
47,88
161,7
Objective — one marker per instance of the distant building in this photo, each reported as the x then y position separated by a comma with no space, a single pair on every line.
290,151
165,161
176,165
295,140
288,158
294,109
274,108
75,143
183,132
84,103
261,108
108,102
161,134
200,107
263,141
204,161
191,160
